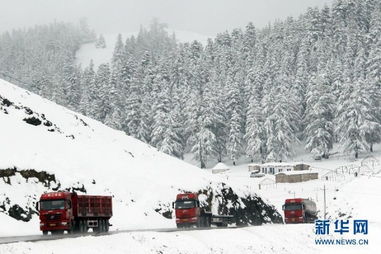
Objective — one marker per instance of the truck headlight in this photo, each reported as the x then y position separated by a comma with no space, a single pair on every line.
63,223
42,224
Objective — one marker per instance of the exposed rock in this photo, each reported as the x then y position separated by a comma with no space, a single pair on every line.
247,210
19,213
49,181
42,176
33,121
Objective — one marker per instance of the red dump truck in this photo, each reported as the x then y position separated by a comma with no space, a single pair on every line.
189,213
299,210
66,211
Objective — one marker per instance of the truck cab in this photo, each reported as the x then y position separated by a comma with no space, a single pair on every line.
56,212
187,209
299,210
189,213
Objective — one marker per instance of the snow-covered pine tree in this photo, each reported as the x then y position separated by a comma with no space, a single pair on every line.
356,118
88,90
118,56
71,84
114,115
319,116
235,112
165,134
101,42
203,139
281,116
254,135
249,43
133,108
218,114
101,99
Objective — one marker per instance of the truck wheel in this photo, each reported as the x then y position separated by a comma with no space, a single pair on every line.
221,225
107,226
72,228
203,222
101,226
45,232
199,222
82,226
208,221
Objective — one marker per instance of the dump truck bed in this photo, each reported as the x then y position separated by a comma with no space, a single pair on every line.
94,206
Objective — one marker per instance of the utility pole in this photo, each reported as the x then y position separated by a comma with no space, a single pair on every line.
324,202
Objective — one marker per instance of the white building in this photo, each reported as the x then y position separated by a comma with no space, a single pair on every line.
277,167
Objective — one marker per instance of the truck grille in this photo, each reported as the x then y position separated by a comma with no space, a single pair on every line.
52,217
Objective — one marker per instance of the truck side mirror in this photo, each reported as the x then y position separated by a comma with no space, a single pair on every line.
68,204
283,207
173,204
38,206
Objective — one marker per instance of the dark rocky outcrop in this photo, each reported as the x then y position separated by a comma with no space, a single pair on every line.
49,182
165,210
33,121
7,173
42,176
247,210
19,213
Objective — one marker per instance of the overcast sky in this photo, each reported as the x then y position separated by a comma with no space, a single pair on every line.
206,17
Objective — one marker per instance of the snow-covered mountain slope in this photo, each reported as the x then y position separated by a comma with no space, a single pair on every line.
46,147
88,51
76,151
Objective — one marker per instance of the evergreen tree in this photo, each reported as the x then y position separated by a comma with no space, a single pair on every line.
279,125
319,116
254,132
102,87
88,90
356,119
235,112
114,116
101,42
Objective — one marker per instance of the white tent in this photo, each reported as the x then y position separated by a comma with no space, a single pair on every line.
220,167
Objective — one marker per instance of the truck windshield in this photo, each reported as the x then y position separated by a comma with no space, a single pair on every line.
184,204
52,204
291,207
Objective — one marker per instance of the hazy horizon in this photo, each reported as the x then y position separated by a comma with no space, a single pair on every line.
203,17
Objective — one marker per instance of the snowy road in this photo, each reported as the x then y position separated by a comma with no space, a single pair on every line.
36,238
